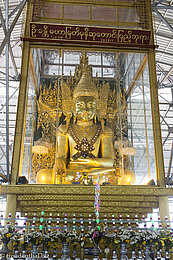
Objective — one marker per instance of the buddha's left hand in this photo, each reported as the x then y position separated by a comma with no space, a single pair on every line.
96,162
89,161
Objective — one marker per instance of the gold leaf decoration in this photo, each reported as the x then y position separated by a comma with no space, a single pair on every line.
66,99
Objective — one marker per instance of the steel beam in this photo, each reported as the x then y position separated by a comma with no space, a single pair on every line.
164,35
157,3
13,12
12,27
159,69
166,139
162,18
14,63
7,88
165,52
137,76
10,49
167,75
164,63
5,74
3,105
165,7
169,85
2,175
163,120
3,152
1,170
165,115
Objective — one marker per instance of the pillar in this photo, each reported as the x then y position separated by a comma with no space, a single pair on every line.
11,207
163,209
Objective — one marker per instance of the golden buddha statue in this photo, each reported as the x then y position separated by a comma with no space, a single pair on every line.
83,148
91,148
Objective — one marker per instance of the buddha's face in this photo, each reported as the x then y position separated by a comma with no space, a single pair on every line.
85,108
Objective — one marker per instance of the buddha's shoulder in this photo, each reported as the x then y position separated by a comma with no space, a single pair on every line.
107,131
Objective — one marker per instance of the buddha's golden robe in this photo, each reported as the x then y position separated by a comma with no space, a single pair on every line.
99,160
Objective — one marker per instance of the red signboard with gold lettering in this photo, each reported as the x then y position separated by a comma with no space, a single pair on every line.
88,35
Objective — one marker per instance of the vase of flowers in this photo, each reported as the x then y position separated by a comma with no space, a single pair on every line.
23,244
135,242
148,236
74,241
158,245
35,239
47,244
107,250
124,237
168,244
111,238
65,239
82,240
166,241
24,254
96,234
16,241
4,250
6,235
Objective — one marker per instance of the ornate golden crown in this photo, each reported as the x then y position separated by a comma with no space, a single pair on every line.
85,87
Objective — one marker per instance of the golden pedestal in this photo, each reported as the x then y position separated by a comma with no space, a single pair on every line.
79,199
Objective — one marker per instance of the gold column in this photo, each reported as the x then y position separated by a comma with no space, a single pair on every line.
145,120
158,149
163,209
20,114
11,206
11,199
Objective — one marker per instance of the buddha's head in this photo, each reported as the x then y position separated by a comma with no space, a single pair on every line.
85,98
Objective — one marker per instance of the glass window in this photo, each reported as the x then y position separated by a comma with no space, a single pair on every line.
122,81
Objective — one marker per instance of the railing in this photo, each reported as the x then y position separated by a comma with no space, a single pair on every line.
79,238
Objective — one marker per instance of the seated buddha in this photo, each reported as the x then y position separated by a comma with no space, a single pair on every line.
84,148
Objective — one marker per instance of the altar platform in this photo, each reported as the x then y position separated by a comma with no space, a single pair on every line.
79,199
